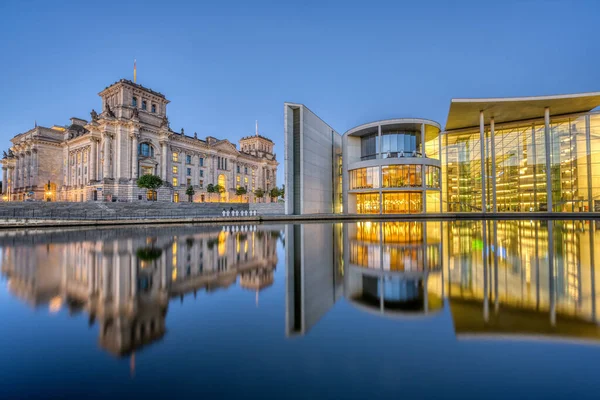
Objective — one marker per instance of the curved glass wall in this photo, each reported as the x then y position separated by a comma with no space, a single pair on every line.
369,147
397,176
403,202
364,178
400,144
367,203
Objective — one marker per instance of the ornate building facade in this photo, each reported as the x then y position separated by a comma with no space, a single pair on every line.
101,159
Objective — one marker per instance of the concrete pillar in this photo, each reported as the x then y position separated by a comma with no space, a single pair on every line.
493,146
534,167
588,151
379,155
134,156
482,156
424,193
548,161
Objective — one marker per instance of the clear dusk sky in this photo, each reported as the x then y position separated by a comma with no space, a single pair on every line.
225,64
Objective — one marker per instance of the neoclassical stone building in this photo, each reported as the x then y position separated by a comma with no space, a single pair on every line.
101,159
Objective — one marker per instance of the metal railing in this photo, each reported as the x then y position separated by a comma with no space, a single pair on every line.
21,214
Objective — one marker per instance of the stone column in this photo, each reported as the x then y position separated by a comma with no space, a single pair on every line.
493,146
4,180
117,159
134,156
93,159
106,161
163,146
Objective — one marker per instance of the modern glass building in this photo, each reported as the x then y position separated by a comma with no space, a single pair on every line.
522,154
526,154
392,167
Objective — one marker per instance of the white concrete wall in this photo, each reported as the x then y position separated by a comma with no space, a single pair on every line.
318,143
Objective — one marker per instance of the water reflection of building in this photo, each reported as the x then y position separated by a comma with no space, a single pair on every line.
394,268
124,278
494,279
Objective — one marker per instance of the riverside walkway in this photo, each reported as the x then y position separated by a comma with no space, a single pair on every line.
23,215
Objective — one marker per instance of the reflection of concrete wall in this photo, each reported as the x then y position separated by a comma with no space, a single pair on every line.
314,282
311,149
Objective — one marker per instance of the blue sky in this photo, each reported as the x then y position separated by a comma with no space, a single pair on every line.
225,64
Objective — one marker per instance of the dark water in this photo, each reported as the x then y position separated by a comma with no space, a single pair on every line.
504,309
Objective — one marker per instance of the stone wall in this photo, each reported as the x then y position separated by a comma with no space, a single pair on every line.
268,208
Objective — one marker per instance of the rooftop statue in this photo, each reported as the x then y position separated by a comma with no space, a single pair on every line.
94,115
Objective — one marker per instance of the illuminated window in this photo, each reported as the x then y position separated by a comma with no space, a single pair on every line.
176,198
147,170
175,169
201,183
175,183
175,156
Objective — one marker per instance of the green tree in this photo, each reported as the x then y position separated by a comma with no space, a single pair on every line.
240,191
151,183
190,192
274,193
259,193
210,189
219,189
282,192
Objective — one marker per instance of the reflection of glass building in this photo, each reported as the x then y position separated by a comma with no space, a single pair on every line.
394,268
124,278
496,155
491,279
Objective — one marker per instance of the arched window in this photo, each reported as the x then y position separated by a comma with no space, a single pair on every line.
144,105
153,108
134,101
146,150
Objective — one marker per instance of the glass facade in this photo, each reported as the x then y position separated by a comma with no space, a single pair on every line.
402,202
517,154
397,176
400,143
364,178
367,203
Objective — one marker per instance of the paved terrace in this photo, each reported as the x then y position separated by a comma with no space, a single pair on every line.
25,215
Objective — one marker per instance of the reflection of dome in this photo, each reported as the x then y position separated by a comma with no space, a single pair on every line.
256,279
393,294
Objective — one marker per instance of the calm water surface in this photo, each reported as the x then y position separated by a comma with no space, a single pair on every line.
467,309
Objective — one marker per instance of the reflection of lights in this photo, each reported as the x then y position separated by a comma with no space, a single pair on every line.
55,304
174,274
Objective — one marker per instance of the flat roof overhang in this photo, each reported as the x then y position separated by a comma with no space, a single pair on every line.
464,113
